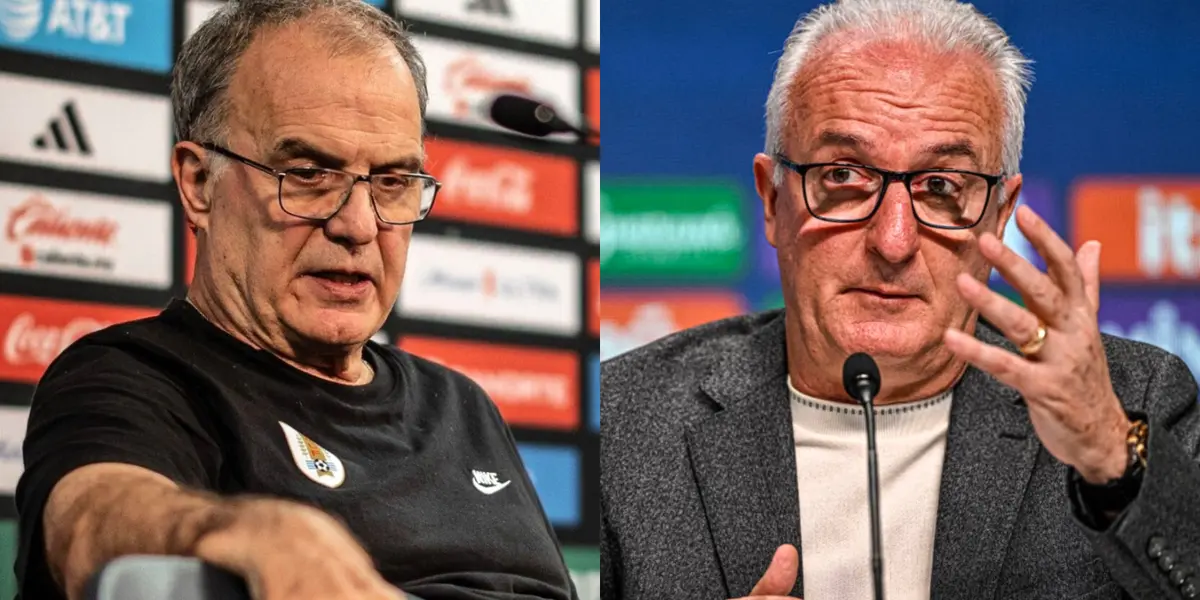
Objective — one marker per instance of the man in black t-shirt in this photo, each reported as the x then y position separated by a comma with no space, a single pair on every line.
254,425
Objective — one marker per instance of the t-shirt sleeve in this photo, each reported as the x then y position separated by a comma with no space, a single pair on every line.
99,403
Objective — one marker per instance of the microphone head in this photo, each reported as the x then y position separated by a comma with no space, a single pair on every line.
860,368
526,115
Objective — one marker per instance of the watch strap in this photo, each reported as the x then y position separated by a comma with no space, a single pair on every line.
1100,504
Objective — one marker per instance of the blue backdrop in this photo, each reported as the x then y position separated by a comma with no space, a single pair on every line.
1116,92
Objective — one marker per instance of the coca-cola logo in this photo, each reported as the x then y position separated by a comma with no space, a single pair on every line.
38,217
467,77
505,185
27,342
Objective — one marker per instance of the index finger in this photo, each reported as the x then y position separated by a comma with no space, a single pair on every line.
1060,259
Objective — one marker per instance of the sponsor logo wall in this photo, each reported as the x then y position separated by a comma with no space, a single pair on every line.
531,387
505,188
36,330
672,253
1152,227
463,76
85,128
498,284
12,431
632,319
59,233
135,34
491,285
554,471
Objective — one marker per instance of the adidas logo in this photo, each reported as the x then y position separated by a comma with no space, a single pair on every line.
492,7
65,133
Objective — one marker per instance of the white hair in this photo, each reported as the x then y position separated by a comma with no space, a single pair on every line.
945,25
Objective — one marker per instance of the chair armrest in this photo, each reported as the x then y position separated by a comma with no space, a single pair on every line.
144,577
138,577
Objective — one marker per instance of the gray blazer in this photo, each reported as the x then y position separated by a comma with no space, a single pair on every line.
698,478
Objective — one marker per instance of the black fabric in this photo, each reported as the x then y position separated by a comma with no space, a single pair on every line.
1099,505
177,395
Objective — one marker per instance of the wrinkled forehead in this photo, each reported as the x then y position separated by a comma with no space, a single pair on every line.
297,75
894,90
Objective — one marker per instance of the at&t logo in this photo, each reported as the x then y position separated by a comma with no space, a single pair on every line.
19,19
97,21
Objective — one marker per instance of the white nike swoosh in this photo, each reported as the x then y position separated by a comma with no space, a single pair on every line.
489,490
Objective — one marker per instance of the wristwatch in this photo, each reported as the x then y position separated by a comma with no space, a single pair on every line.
1100,504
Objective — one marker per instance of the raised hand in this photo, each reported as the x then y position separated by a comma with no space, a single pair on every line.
1063,373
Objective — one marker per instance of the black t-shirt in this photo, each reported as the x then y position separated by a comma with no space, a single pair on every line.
415,462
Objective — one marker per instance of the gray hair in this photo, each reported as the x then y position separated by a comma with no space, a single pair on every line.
946,25
207,61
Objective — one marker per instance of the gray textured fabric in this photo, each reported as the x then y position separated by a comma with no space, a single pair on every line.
698,477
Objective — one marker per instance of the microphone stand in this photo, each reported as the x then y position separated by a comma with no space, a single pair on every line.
868,402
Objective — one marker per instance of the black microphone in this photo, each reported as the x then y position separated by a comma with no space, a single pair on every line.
860,378
531,117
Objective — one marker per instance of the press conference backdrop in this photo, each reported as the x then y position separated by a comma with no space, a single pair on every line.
502,279
1110,154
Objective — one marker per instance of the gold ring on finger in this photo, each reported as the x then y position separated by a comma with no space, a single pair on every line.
1032,347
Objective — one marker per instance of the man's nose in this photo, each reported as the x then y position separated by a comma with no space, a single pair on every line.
893,231
356,222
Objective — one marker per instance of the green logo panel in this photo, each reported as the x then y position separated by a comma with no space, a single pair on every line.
671,230
584,564
8,557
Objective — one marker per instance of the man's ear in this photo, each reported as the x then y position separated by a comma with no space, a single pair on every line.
192,175
764,184
1012,191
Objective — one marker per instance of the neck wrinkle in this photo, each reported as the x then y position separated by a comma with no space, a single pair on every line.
346,368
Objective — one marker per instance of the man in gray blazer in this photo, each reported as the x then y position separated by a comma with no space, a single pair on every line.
1022,454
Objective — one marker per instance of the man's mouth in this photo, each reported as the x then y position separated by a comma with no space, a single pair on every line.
885,293
342,277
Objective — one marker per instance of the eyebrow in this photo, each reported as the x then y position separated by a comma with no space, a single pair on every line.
830,137
292,148
961,147
958,148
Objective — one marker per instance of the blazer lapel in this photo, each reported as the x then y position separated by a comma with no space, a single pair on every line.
990,454
744,461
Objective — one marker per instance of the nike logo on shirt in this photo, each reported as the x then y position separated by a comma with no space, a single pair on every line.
487,482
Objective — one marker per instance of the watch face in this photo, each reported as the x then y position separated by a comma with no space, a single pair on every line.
1136,443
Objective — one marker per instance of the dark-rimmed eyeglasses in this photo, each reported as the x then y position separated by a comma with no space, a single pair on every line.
850,193
318,193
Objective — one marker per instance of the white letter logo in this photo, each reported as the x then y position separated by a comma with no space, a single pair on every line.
487,482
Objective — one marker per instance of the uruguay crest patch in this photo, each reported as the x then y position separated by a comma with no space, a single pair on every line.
317,463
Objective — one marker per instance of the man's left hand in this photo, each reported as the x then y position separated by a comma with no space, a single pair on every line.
1066,383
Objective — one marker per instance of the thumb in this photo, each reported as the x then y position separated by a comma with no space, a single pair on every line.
781,574
1088,259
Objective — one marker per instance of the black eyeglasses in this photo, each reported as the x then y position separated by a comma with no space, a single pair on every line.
317,193
850,193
